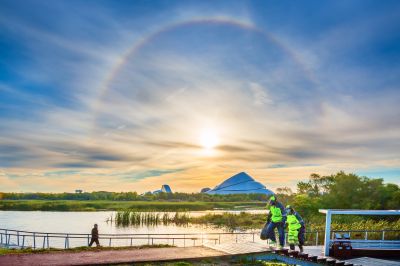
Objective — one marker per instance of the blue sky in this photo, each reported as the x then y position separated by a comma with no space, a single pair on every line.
122,95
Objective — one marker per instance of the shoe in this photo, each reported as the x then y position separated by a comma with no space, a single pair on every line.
272,245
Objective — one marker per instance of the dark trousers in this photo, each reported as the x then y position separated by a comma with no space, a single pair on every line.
281,231
302,232
94,239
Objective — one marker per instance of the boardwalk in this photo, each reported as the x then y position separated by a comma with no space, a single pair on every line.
226,250
109,257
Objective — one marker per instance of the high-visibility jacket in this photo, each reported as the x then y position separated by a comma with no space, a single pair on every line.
277,212
293,222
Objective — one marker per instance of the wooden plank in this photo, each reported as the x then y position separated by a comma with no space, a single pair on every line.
367,261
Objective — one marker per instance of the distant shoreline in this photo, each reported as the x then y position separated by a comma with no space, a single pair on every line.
108,205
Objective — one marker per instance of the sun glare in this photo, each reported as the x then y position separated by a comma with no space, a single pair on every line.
209,139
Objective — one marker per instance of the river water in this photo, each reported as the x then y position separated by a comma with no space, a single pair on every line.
82,223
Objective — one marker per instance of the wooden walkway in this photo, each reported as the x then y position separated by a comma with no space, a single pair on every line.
107,257
366,261
257,248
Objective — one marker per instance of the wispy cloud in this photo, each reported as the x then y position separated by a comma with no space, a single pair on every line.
59,126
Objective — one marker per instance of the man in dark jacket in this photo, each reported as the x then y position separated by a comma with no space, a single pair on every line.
95,236
276,219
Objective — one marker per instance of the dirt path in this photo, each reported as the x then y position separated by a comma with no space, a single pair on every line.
109,256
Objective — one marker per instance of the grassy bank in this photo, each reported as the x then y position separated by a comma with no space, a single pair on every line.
100,205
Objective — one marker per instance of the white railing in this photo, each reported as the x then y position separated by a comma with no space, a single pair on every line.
22,239
329,212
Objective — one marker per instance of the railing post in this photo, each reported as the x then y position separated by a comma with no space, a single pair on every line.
327,232
236,238
131,241
17,238
109,244
316,239
184,241
148,239
383,234
366,235
23,241
34,240
44,242
88,241
253,237
219,238
48,244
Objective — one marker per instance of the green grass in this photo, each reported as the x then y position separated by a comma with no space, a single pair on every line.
229,220
7,251
99,205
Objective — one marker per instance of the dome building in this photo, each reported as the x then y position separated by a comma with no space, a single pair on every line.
166,189
240,183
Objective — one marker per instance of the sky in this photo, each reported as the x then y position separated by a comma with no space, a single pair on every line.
130,95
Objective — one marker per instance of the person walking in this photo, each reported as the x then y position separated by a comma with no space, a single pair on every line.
276,219
95,236
296,228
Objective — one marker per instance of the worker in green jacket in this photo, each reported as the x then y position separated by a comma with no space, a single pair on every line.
276,219
296,228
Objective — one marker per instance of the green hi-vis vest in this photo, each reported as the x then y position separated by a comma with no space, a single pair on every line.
293,223
276,214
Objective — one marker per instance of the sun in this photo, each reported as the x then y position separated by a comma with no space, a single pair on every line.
209,139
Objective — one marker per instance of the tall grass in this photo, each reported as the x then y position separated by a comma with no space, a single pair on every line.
134,218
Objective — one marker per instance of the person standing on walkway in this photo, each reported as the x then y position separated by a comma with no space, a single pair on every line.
95,236
296,228
276,219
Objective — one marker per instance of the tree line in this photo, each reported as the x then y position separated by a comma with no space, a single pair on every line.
133,196
338,191
342,191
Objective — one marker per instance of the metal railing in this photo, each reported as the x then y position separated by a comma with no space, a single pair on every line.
23,239
378,239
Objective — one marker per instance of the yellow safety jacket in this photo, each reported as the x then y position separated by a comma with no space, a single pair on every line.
276,214
293,222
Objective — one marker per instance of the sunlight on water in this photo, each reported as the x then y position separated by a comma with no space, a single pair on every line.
82,222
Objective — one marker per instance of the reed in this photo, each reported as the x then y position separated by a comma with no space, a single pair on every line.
134,218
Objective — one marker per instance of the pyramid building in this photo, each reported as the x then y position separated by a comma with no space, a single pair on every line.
240,183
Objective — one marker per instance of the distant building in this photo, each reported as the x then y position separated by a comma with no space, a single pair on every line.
78,191
204,190
240,183
166,189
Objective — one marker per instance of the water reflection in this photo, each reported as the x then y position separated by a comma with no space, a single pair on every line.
82,222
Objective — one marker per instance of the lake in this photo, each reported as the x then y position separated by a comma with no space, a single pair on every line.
82,223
